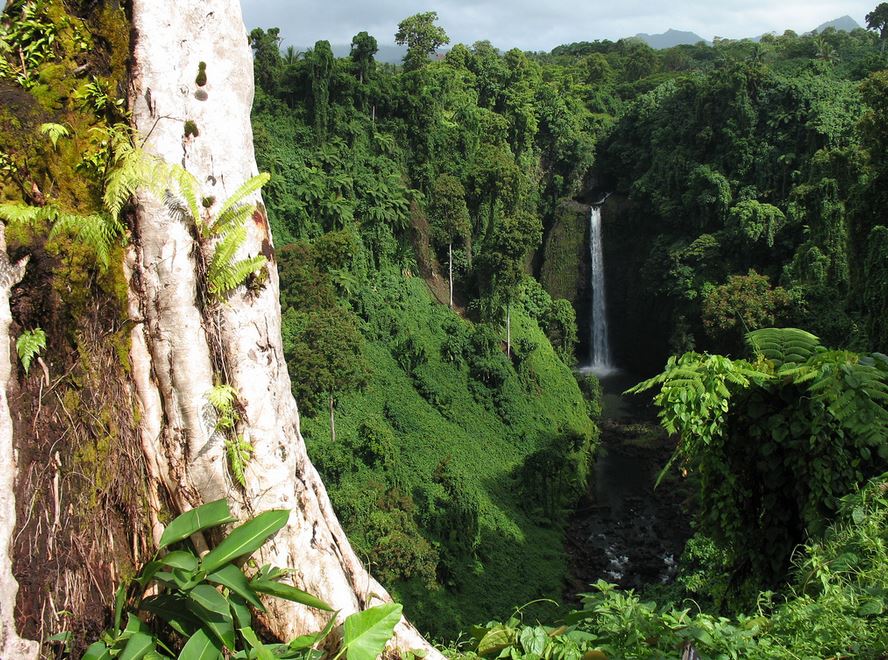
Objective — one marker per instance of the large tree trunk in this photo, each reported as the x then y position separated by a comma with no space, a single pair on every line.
179,344
11,645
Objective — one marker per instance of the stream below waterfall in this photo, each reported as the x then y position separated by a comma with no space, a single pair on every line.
623,531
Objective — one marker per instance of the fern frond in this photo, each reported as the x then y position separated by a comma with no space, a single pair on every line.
233,216
230,276
188,187
247,187
222,397
54,132
28,346
783,345
99,232
239,453
133,170
24,215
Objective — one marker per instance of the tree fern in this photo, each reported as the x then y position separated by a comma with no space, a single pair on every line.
783,345
28,346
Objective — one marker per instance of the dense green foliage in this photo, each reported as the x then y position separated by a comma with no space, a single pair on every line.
751,172
775,442
835,607
202,605
747,157
452,457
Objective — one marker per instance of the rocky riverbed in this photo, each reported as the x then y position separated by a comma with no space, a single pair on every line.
623,530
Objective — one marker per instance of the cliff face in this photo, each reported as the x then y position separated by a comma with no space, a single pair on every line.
564,268
640,320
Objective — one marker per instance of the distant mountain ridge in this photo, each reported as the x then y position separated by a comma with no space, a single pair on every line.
673,37
393,54
843,24
670,38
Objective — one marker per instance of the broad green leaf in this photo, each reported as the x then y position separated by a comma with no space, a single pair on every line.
180,559
135,625
207,515
243,617
288,592
201,646
233,578
246,539
259,650
365,633
119,601
212,609
307,641
137,647
97,651
496,640
871,607
174,610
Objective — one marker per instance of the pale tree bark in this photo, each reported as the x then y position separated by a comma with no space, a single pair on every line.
11,645
450,271
180,344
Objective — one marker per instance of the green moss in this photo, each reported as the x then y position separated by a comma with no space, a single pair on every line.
191,129
564,253
201,79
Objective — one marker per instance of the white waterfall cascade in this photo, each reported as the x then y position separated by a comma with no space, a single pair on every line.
600,360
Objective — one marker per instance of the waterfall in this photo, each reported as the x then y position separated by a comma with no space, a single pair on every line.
600,361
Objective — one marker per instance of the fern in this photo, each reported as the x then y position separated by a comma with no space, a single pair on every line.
189,188
224,274
98,231
25,216
28,346
54,131
248,187
234,217
783,345
222,398
239,454
128,176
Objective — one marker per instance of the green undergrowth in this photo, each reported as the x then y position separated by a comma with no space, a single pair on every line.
834,607
452,469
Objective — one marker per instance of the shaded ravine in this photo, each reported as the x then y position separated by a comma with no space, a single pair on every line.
623,531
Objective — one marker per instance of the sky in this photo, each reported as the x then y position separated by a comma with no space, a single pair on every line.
544,24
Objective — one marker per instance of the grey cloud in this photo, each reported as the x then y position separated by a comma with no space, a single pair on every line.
537,25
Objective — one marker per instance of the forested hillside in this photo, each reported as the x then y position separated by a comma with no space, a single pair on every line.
423,227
